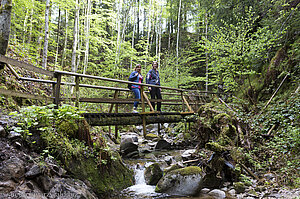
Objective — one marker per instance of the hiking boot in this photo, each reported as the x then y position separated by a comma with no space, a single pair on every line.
134,110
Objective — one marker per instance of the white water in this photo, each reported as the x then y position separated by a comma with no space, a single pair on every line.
140,186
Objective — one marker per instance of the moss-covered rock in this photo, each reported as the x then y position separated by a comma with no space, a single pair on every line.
151,136
184,182
216,147
105,179
153,173
239,187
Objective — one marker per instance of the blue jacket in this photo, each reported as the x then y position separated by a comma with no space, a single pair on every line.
153,77
134,77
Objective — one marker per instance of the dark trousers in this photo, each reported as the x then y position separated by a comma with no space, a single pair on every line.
155,93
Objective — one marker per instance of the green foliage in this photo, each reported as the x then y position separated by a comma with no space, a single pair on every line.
235,50
58,129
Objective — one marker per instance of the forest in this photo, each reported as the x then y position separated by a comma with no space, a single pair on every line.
247,49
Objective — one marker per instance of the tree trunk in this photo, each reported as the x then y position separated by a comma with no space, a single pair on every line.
31,25
25,27
57,37
87,35
5,15
133,34
45,51
65,41
118,21
149,29
160,30
177,43
75,37
138,21
206,55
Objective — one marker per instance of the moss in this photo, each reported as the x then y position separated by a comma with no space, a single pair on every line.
228,136
239,187
172,168
215,146
153,173
151,136
191,170
187,136
105,179
222,118
68,128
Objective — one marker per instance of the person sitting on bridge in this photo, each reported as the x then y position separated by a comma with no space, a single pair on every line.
153,78
136,76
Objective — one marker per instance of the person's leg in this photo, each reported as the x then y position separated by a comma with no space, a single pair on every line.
152,94
137,95
158,96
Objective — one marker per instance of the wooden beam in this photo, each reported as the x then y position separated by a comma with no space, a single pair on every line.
136,119
112,105
187,104
114,80
148,102
77,91
57,91
26,66
12,93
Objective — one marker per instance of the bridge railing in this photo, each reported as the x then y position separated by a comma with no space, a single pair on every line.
144,98
56,83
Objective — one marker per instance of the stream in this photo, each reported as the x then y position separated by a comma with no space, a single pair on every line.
141,190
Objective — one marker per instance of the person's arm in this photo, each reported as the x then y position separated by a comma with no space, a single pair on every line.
133,75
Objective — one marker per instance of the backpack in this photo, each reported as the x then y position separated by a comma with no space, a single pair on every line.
131,80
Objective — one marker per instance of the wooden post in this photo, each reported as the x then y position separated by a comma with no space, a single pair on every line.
143,111
110,110
187,104
158,128
182,97
57,90
148,101
116,111
77,91
53,92
112,105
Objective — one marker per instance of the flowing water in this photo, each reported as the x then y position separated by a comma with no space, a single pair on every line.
141,190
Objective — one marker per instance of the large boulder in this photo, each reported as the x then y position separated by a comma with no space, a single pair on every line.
163,145
153,174
12,168
69,189
105,179
181,182
128,148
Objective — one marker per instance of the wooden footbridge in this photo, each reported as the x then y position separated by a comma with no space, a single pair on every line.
177,105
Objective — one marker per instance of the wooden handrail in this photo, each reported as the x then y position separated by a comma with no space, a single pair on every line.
114,80
30,67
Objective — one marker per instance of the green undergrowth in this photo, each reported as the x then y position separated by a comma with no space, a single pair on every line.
64,134
277,139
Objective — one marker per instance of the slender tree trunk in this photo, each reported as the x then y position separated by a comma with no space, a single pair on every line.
177,43
119,32
65,40
156,37
24,28
45,51
133,33
206,55
5,16
75,37
160,31
149,29
30,26
138,21
87,35
57,37
79,39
